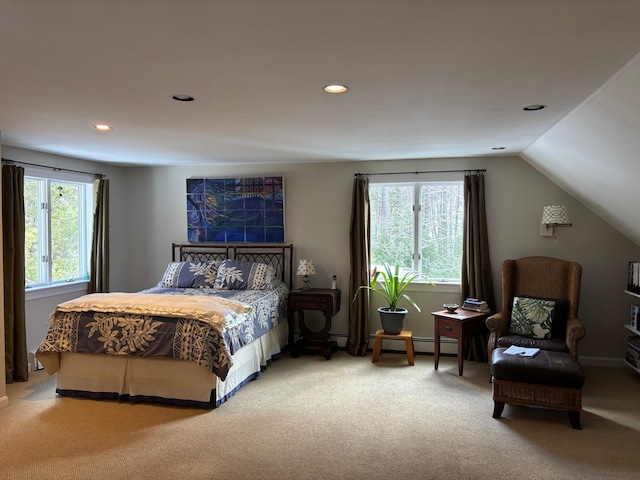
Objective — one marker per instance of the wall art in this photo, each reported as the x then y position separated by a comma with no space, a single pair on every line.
235,210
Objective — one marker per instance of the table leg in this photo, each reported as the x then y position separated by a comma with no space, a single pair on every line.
376,349
436,350
410,351
460,355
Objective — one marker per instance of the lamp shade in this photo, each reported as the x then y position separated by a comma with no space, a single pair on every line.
305,267
555,215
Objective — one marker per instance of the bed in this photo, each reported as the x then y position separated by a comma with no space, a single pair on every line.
214,322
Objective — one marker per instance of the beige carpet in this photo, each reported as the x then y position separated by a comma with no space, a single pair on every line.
307,418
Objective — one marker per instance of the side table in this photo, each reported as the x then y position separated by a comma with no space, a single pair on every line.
322,299
461,325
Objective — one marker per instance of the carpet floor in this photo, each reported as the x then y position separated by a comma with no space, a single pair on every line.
346,418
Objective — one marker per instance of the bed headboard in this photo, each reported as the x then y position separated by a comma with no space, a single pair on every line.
278,255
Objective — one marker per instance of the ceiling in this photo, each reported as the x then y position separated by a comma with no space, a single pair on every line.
426,78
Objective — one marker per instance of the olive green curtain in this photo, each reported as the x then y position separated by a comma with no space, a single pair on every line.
477,280
15,333
360,252
99,268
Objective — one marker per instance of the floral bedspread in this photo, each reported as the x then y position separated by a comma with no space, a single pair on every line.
165,326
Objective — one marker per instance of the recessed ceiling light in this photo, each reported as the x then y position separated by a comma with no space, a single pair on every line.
102,127
533,108
183,98
335,88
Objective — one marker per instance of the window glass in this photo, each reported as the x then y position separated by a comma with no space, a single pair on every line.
441,226
392,225
418,225
65,231
57,230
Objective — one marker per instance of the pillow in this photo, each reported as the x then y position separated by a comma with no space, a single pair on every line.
190,275
239,275
560,316
532,317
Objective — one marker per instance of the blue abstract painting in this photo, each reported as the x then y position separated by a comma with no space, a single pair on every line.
230,210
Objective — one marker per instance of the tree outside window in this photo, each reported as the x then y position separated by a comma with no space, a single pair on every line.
57,231
418,225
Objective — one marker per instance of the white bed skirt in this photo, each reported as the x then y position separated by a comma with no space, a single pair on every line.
164,380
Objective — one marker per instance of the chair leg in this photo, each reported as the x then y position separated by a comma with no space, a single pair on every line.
574,418
498,407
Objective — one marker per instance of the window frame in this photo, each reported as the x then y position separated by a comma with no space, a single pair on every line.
415,179
85,181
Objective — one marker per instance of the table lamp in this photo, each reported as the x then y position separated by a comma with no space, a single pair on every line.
306,268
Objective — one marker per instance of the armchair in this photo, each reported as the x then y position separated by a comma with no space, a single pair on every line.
541,277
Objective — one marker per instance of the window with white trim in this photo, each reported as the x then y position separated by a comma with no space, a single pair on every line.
58,223
419,225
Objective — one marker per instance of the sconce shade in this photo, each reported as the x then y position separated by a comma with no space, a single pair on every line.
555,215
305,267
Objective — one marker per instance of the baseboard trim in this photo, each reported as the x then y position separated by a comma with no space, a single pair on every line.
424,345
602,362
4,402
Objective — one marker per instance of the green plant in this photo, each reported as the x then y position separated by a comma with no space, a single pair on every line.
391,286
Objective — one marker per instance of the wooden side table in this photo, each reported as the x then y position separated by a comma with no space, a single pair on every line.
322,299
405,335
461,325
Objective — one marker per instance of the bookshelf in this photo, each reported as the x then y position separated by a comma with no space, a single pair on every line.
633,330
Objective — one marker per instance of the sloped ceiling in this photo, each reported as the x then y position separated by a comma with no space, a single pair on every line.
426,78
594,152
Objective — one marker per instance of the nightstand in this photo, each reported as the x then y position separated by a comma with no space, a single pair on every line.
460,325
321,299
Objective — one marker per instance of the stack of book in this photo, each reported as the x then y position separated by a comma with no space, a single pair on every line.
633,277
633,351
475,305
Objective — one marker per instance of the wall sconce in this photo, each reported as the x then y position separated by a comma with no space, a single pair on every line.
306,268
553,216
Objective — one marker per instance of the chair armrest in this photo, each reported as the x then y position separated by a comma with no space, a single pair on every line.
575,332
498,326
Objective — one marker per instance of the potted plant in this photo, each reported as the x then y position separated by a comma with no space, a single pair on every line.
388,284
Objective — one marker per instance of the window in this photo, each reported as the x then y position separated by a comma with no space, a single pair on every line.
419,225
58,222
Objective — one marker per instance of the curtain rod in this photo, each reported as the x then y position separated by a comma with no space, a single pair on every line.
57,169
477,170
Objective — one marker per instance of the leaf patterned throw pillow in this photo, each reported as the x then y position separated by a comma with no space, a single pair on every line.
532,317
240,275
190,275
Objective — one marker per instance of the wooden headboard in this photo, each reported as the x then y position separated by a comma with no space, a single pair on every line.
278,255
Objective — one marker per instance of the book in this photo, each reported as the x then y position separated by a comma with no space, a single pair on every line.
633,277
474,309
475,305
522,351
474,301
635,313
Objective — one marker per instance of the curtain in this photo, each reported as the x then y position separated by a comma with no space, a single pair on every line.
13,224
99,268
477,280
360,247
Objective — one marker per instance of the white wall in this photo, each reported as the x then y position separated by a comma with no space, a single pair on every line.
148,214
318,208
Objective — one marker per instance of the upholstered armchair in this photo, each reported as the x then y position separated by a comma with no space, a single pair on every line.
542,278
